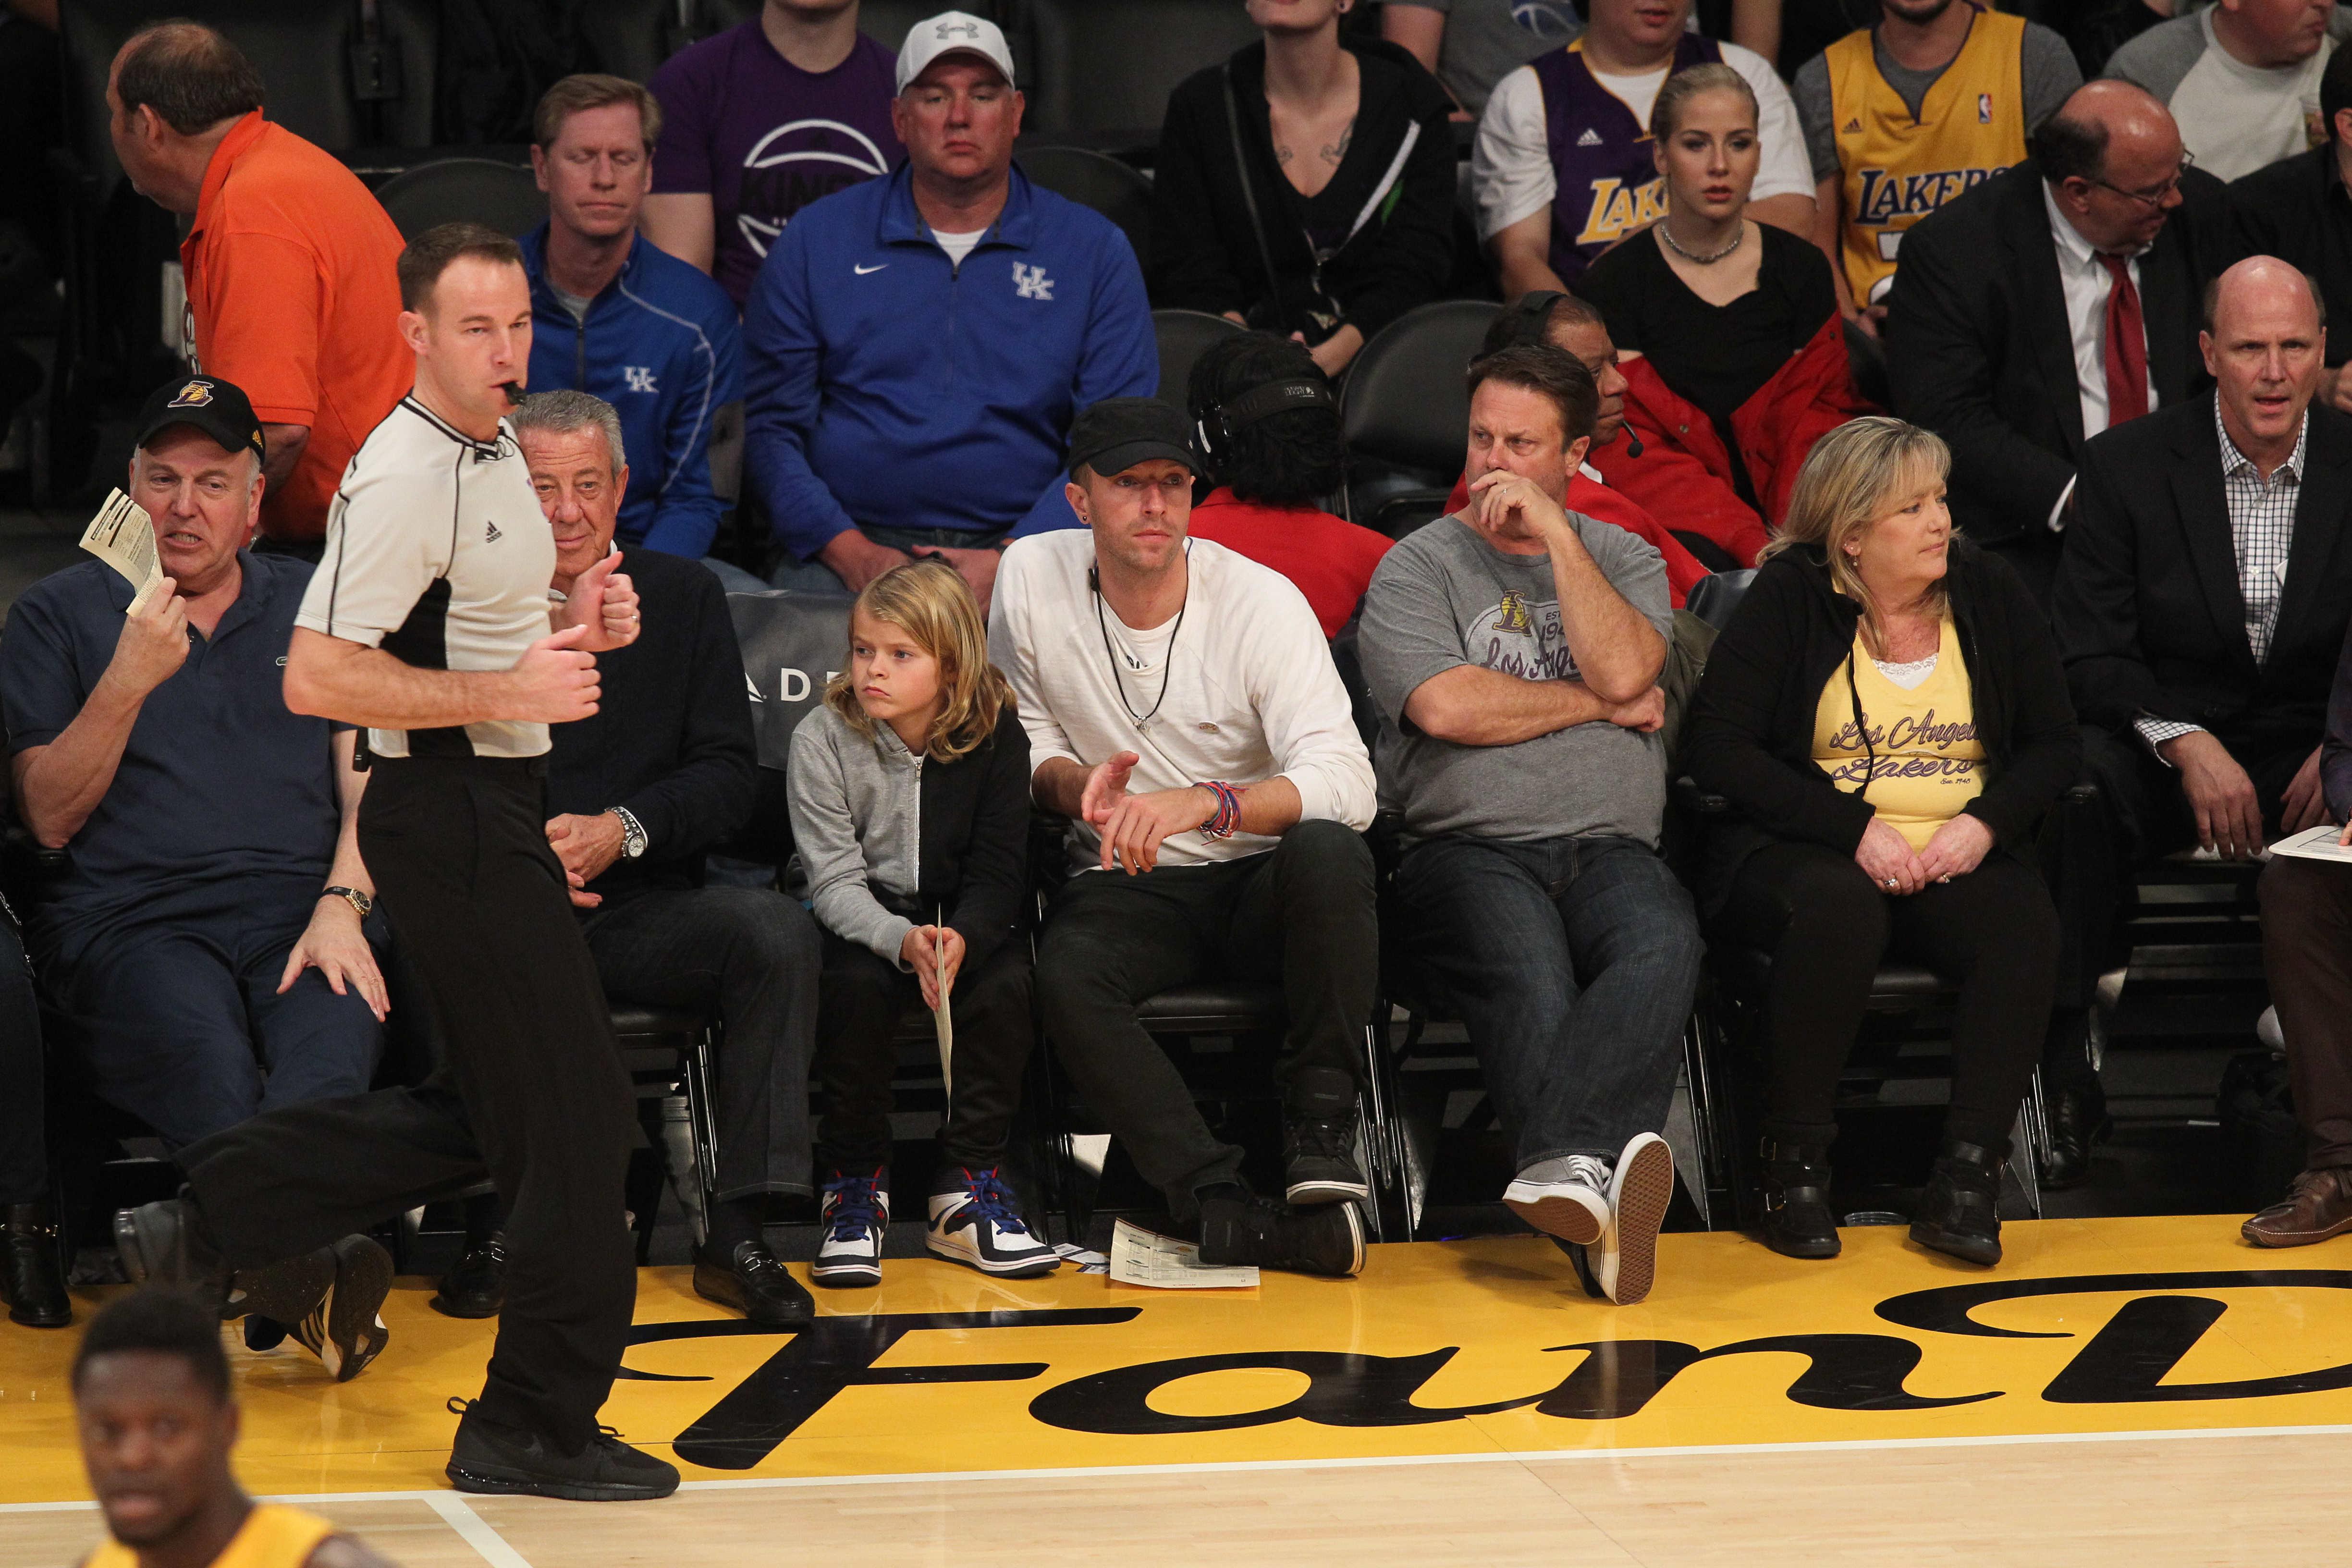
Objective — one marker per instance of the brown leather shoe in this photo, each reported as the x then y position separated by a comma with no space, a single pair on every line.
2319,1207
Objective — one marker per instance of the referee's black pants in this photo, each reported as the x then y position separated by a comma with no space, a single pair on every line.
531,1092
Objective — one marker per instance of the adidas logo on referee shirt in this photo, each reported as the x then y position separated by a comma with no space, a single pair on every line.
493,536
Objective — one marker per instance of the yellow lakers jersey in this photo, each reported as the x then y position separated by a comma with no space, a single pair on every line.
271,1537
1897,169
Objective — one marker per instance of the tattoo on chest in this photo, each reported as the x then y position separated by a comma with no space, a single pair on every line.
1331,153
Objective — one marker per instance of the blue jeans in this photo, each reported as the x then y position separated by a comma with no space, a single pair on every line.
1573,963
813,576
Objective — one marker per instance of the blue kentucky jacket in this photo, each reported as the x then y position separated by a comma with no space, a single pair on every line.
661,344
883,384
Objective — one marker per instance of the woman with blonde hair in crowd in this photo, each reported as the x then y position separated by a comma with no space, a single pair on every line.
909,792
1888,716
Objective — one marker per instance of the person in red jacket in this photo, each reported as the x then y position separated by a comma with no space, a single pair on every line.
1576,329
1742,362
1266,420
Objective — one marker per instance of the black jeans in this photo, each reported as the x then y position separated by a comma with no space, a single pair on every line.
752,955
531,1092
1300,913
1828,926
24,1102
864,998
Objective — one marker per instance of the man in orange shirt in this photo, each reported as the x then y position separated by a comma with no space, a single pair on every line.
292,289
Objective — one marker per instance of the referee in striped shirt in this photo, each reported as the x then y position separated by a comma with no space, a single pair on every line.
430,622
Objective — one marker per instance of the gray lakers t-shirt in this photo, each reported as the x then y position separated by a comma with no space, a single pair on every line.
1486,40
1445,597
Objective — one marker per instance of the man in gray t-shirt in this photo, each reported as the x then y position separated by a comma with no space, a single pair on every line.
1471,44
1513,651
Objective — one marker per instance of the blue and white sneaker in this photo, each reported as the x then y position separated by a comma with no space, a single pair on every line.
855,1212
975,1222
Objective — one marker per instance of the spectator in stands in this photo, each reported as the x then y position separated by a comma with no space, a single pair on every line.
177,944
636,794
1563,170
2203,602
615,316
2006,326
1742,358
911,810
205,880
1184,713
1471,44
289,264
1887,715
1513,651
1902,117
2307,955
32,1259
759,121
1576,329
1268,430
158,1417
2097,28
1336,171
871,429
2300,210
2240,77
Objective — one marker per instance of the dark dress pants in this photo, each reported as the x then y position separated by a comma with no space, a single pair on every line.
2308,951
531,1092
23,1103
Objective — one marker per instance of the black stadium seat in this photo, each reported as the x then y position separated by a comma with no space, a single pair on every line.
469,190
1100,72
1095,180
629,38
1404,411
1184,336
884,21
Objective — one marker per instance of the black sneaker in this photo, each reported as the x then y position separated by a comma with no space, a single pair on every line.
345,1331
161,1244
1252,1229
753,1283
476,1285
1318,1145
506,1461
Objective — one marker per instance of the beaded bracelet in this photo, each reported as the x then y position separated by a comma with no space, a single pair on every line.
1222,822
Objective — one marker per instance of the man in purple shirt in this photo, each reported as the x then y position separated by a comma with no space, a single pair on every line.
759,121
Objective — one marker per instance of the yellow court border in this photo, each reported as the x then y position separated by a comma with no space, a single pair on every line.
1441,1352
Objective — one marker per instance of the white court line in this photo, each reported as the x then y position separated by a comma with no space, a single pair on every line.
1214,1466
488,1542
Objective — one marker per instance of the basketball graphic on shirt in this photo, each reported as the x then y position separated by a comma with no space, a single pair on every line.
1547,18
796,163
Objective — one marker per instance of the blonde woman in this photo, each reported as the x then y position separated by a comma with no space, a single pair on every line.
1887,715
909,792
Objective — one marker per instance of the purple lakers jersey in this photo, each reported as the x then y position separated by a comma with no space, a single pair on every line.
1606,185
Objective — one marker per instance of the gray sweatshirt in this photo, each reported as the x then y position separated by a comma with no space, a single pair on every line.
857,807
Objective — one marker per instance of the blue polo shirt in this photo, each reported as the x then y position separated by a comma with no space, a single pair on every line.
218,782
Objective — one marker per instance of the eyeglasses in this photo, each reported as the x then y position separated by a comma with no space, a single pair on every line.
2157,197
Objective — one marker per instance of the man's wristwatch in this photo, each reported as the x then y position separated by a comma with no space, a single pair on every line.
361,903
633,832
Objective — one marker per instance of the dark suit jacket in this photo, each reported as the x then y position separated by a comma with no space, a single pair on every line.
1979,351
2149,615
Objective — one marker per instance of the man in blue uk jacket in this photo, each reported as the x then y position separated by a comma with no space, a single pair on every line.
614,315
916,346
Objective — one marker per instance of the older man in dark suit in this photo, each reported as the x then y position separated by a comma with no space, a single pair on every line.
2050,303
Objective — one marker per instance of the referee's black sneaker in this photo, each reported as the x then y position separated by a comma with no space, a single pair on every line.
505,1460
345,1331
751,1281
1327,1239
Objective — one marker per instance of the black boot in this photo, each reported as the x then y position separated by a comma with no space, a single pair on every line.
32,1267
1319,1143
1798,1221
1959,1212
2078,1115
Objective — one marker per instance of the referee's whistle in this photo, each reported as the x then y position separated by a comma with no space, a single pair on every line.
513,389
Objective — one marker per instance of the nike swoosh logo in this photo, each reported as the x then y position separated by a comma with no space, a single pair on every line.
862,271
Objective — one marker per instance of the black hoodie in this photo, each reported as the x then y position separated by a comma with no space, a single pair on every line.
1751,737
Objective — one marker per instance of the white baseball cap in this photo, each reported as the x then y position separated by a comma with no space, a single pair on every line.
952,33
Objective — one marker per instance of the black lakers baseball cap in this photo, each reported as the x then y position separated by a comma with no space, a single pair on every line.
1118,433
213,406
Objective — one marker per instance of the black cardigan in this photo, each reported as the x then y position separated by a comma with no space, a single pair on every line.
1750,736
1204,254
671,736
974,859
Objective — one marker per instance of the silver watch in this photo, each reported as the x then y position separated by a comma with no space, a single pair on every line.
633,832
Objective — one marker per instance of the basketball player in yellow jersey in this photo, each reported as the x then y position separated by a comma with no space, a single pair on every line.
151,1395
1903,117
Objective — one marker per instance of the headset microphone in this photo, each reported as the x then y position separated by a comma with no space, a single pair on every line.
1633,443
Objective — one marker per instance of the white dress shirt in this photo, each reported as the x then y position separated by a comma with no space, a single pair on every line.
2087,283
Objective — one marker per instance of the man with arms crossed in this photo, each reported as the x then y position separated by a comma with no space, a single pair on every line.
429,621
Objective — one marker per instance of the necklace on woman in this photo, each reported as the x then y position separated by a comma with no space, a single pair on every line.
1666,233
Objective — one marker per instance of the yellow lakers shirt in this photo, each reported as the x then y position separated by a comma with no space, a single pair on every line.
272,1536
1915,748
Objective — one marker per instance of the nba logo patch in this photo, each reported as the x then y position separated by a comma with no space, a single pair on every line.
1984,109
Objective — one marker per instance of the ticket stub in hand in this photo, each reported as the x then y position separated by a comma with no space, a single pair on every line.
123,536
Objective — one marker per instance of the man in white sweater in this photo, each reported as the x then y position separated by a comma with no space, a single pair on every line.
1184,713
